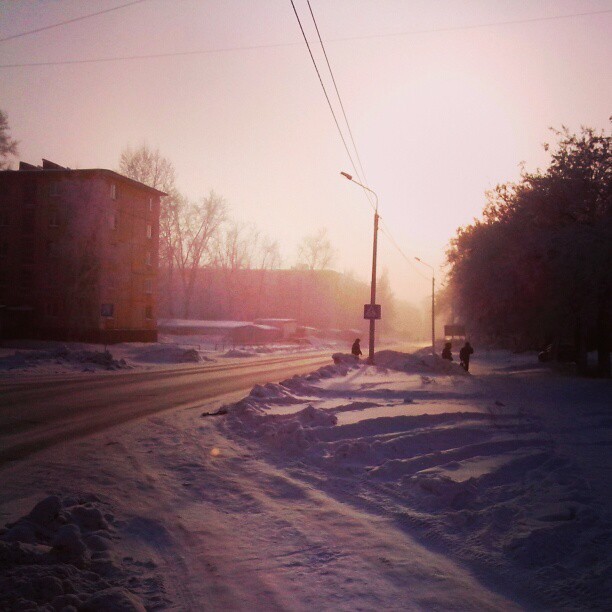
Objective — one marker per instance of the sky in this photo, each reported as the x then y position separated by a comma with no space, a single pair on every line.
445,99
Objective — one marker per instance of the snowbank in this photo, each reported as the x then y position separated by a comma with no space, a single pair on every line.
30,357
406,485
62,554
62,357
423,441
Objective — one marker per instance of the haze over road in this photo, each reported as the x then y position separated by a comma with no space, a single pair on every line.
37,414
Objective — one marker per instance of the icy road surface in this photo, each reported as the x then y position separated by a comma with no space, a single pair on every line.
36,414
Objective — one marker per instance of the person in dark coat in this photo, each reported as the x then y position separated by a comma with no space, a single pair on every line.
446,351
356,350
464,356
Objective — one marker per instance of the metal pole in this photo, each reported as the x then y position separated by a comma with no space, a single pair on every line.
346,175
433,307
433,316
373,288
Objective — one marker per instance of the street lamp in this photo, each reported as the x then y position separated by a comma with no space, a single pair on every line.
373,283
433,289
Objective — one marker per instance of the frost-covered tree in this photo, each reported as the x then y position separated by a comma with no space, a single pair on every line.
538,266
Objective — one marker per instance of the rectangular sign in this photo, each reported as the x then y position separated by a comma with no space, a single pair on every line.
454,330
372,311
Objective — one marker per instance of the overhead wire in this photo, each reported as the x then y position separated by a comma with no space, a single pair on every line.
67,21
331,108
271,46
383,230
348,125
387,233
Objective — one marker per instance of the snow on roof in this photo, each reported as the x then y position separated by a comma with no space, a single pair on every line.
198,323
273,320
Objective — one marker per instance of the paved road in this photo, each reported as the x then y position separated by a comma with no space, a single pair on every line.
36,415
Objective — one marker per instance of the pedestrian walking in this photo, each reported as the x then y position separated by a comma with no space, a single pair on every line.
464,356
356,349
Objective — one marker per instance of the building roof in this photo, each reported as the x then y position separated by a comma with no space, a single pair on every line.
202,324
51,169
272,320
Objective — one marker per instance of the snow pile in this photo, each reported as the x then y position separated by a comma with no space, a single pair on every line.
422,441
40,358
61,556
63,355
420,362
291,431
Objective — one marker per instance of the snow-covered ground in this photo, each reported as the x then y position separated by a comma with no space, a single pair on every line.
409,485
41,358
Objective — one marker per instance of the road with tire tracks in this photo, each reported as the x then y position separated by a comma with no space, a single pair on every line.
38,414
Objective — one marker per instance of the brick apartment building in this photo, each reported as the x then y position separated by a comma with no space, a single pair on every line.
78,255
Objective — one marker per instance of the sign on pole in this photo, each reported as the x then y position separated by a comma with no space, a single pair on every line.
371,311
454,330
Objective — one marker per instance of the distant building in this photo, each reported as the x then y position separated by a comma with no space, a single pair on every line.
78,255
230,332
288,327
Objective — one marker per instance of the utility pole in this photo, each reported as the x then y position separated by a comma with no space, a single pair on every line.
373,306
373,288
433,315
433,305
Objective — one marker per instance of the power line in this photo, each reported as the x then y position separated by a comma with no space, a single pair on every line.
280,45
387,233
348,125
61,23
331,108
383,230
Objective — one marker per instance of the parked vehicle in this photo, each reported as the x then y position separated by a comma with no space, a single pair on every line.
566,353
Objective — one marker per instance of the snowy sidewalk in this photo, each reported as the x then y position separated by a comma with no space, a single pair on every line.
409,486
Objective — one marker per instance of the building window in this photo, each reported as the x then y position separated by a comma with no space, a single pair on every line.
148,285
148,258
52,309
112,220
111,281
107,310
113,191
3,248
53,217
148,312
25,280
150,204
52,252
28,256
149,230
28,220
4,217
53,189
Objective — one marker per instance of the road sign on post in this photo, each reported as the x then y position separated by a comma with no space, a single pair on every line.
371,311
454,330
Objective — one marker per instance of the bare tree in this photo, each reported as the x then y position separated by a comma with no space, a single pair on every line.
236,251
8,145
194,228
150,167
315,251
268,254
